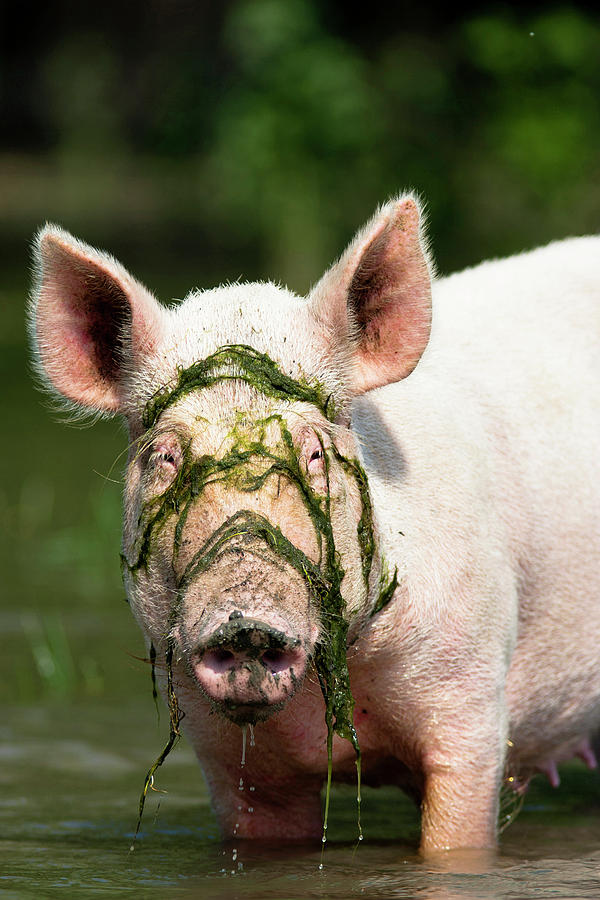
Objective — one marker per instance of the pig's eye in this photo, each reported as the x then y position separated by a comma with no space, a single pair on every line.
312,446
164,461
167,459
315,463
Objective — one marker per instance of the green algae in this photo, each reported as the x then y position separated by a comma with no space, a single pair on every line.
238,466
153,676
365,534
387,588
246,522
175,717
257,369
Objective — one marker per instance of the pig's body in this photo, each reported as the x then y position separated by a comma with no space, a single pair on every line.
487,460
484,473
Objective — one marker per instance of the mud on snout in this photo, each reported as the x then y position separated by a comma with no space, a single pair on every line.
247,632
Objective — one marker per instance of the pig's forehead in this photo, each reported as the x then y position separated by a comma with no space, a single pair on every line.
266,317
263,316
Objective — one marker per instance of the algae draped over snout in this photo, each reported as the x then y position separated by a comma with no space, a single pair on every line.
324,578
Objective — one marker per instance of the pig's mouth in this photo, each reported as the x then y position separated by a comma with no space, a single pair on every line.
248,669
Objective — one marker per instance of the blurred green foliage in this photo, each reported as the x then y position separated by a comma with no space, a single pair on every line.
253,138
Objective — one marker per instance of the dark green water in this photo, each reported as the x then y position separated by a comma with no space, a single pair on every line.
71,775
78,728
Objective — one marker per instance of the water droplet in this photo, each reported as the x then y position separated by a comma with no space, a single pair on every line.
241,785
320,866
244,730
250,809
234,855
252,788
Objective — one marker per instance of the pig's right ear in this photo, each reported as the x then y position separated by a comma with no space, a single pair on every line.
91,322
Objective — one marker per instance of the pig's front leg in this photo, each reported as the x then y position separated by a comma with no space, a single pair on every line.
463,769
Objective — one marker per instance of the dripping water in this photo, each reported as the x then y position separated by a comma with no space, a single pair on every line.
244,729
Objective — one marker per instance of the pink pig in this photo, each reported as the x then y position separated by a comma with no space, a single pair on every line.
460,589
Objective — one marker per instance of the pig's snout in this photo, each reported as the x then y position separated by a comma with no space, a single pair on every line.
248,668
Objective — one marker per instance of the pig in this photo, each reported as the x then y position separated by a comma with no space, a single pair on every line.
367,520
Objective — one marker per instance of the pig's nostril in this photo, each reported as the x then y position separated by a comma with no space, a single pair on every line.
219,659
277,660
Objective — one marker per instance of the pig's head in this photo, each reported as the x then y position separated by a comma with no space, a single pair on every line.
249,551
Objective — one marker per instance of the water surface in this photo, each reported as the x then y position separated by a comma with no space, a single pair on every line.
71,776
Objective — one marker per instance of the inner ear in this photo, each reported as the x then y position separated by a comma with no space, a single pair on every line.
91,321
105,320
89,312
371,286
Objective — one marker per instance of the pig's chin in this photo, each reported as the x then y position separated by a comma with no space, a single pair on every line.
247,714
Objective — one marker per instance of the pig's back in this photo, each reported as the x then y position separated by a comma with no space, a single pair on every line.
543,305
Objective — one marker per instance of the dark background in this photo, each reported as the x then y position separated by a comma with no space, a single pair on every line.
209,140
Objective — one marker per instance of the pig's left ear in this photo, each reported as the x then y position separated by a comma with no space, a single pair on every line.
92,323
376,300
